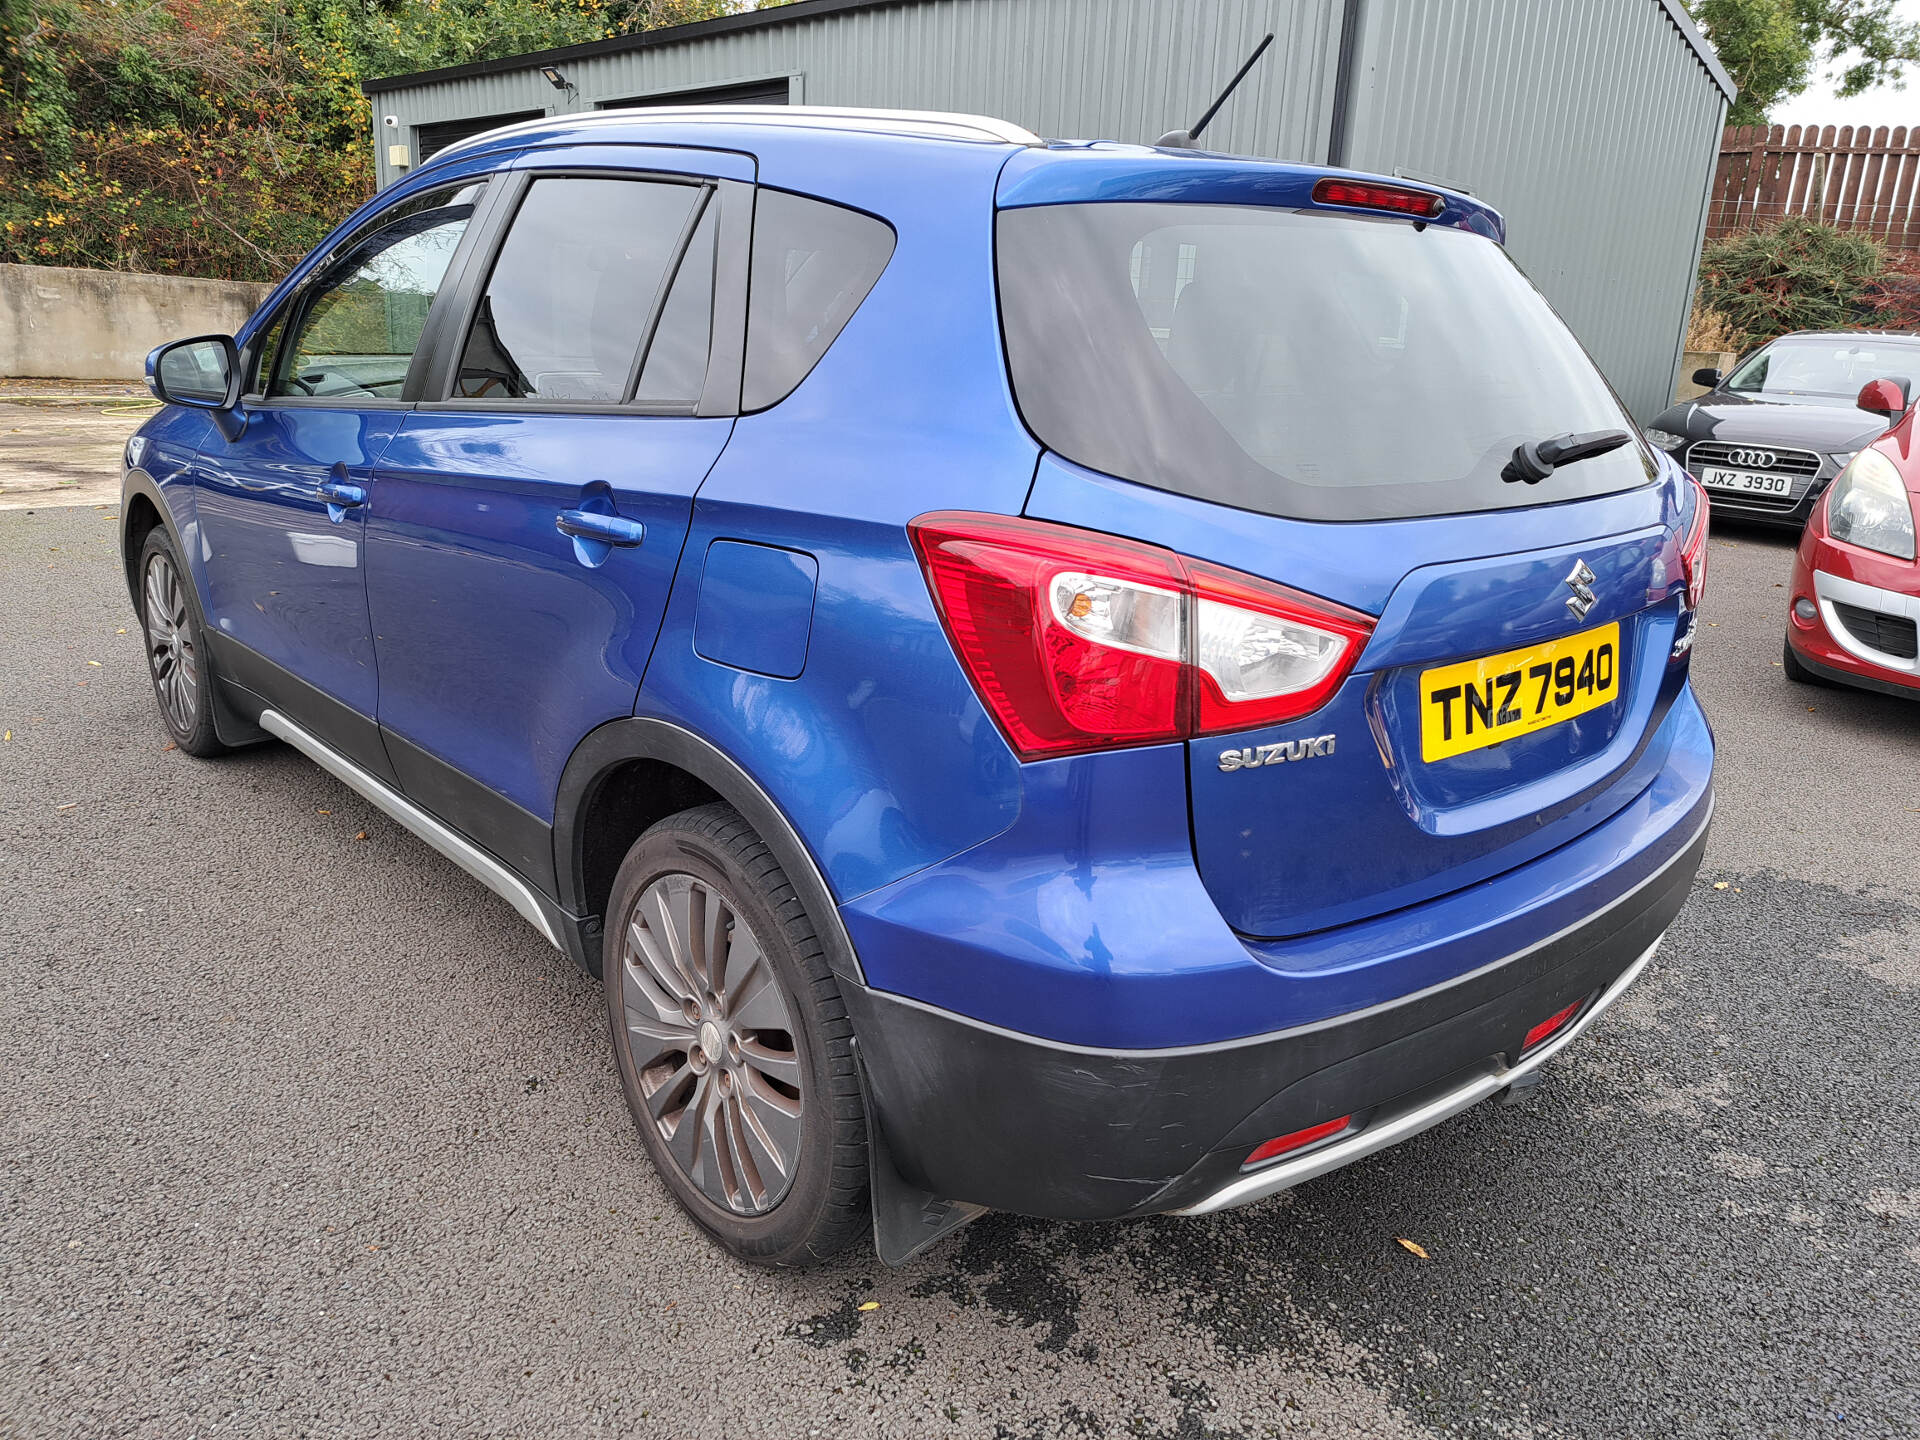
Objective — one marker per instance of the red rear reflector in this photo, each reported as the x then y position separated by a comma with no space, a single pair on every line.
1395,199
1285,1144
1550,1025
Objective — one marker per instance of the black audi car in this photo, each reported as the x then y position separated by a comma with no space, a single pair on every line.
1766,439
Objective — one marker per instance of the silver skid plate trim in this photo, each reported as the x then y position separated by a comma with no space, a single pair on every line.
450,843
1259,1184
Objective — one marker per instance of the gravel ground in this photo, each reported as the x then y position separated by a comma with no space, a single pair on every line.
307,1134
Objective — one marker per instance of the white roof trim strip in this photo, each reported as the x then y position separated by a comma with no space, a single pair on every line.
922,124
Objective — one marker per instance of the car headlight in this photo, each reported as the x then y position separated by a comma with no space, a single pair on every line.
1868,506
1665,439
1841,457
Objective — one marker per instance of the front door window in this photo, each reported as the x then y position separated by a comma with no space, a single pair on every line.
361,320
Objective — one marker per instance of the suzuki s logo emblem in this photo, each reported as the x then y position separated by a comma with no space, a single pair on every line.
1252,757
1580,580
1758,459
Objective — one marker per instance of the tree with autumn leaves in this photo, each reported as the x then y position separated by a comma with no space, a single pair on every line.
225,137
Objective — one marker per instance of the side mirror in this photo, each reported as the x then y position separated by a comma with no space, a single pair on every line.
1884,397
1708,377
203,373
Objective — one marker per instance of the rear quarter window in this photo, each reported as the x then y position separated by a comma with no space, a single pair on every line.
813,263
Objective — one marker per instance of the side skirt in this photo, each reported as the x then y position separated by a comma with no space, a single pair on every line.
538,911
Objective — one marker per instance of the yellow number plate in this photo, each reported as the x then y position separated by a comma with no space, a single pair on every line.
1482,702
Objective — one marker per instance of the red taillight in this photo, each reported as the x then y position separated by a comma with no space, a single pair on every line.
1550,1026
1078,641
1396,199
1037,664
1693,554
1264,653
1286,1144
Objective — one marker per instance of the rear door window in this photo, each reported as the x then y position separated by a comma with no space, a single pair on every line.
1324,367
575,288
813,263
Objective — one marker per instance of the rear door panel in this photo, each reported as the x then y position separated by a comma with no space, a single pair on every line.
499,647
501,640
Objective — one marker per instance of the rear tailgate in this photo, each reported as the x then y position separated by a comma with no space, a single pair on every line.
1341,815
1347,389
1445,773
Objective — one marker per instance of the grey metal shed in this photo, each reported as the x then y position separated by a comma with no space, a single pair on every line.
1593,125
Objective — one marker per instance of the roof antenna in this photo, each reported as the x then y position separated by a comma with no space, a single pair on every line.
1183,139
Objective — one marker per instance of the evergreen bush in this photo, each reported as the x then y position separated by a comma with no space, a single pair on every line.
1797,275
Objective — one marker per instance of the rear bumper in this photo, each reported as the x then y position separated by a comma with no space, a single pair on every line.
1391,1124
978,1113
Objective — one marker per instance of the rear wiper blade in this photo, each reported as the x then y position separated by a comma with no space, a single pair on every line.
1537,459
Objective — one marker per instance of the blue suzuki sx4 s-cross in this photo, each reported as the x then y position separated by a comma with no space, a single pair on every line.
1079,679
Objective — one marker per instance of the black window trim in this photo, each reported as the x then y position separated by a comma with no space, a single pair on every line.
292,309
444,339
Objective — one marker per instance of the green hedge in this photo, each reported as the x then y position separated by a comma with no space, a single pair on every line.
1797,275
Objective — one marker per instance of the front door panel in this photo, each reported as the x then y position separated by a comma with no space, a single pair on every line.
284,484
286,579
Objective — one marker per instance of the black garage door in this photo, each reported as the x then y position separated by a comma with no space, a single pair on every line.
430,140
760,92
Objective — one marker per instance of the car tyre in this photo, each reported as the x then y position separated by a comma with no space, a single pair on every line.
178,661
733,1043
1797,672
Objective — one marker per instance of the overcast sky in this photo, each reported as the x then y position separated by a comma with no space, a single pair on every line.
1818,105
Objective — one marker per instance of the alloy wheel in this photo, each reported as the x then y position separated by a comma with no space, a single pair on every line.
176,669
712,1043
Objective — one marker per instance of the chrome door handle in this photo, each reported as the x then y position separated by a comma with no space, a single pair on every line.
336,492
607,529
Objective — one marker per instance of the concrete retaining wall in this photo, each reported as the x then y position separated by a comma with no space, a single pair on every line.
100,324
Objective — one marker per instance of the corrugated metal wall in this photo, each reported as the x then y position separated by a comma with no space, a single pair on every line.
1590,124
1107,69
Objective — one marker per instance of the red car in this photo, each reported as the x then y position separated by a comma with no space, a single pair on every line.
1856,589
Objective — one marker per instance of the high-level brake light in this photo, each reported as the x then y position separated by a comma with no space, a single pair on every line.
1394,199
1077,641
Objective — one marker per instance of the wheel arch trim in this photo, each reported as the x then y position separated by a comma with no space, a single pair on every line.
137,483
619,742
233,727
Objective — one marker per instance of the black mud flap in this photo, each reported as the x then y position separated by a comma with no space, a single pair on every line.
907,1221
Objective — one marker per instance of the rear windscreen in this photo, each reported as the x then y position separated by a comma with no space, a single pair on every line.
1325,367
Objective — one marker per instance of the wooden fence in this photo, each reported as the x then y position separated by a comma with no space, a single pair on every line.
1862,179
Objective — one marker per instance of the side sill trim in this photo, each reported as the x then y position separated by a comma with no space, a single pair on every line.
457,848
1289,1173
